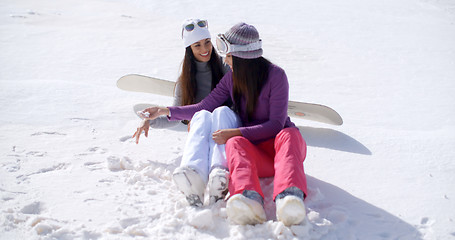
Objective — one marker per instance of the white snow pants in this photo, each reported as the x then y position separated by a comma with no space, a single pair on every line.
201,153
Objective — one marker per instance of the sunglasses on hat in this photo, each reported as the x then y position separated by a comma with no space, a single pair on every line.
224,46
189,26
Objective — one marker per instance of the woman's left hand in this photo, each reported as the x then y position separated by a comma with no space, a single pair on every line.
143,127
221,136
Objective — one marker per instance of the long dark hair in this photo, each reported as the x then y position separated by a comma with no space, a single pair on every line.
187,77
249,75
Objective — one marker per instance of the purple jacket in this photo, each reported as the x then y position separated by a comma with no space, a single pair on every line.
270,114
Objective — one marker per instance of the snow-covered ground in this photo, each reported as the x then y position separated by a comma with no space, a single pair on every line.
69,169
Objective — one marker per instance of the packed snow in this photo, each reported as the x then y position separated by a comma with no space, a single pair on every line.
69,168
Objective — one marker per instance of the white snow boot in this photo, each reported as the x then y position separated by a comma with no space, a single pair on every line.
191,184
218,184
242,210
290,210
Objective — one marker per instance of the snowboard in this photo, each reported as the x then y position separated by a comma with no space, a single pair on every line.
308,111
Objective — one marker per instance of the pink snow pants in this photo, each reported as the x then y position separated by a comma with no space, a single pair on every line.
281,157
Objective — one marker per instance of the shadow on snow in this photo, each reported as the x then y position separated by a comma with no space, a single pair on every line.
332,139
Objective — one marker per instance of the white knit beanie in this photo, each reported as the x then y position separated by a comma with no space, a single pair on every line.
197,34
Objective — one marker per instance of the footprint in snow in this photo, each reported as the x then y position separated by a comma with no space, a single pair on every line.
36,154
24,15
11,166
17,16
93,165
125,138
93,150
79,119
58,166
425,226
48,133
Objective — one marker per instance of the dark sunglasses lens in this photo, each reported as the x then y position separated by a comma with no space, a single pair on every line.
202,24
189,27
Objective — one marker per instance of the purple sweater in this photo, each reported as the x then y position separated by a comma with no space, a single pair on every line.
270,114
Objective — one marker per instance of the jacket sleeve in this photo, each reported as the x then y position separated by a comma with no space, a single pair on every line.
162,121
215,99
278,105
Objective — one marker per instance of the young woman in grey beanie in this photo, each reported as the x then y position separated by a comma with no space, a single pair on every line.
267,143
203,163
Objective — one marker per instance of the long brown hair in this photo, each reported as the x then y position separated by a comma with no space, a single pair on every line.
187,77
249,75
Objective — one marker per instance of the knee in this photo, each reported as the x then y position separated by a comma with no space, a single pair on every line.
236,143
225,116
201,115
236,148
293,136
223,111
201,123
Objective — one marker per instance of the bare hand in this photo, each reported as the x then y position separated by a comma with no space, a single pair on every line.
143,127
222,136
153,112
148,114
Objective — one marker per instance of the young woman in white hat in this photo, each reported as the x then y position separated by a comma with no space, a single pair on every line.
203,162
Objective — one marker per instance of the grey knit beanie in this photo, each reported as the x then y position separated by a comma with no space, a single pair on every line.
243,34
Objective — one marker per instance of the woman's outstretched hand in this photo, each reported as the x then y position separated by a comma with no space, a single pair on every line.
148,114
154,112
221,136
144,127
